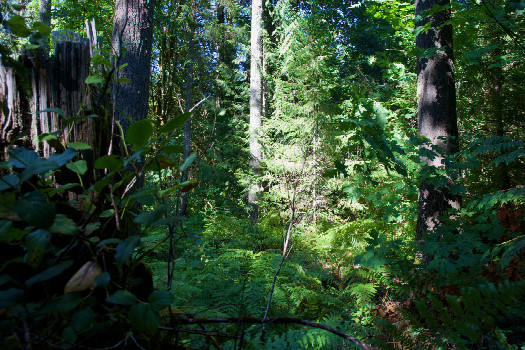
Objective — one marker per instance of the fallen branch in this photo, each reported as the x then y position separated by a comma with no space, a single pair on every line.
278,320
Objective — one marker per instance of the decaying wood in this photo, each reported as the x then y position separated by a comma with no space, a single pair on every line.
57,81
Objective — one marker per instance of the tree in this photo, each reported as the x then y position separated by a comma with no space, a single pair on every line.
132,44
437,119
256,103
44,11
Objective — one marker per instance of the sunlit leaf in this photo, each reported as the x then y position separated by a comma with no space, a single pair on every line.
78,145
175,123
42,28
79,167
94,79
188,162
17,25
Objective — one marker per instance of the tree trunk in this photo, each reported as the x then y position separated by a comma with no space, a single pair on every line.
437,119
256,104
132,33
188,106
44,12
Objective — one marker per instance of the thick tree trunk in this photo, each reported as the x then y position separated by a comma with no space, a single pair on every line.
44,11
132,33
256,104
436,111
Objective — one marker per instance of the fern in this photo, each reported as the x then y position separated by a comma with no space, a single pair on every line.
507,250
458,320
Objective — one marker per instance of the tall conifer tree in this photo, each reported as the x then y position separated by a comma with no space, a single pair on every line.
256,102
437,119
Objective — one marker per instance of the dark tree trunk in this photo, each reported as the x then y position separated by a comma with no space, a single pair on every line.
132,30
436,111
256,104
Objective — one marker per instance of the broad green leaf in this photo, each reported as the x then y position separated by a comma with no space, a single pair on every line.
83,319
9,234
49,273
125,249
160,299
150,218
36,244
22,157
100,59
38,166
109,241
101,184
78,145
94,79
91,227
35,210
188,162
173,149
68,337
64,157
54,110
79,167
103,280
63,225
10,297
9,182
47,136
44,29
17,25
111,162
122,297
143,318
139,133
175,123
107,213
63,303
18,7
62,188
67,121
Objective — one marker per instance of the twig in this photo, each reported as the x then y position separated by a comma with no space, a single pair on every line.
279,320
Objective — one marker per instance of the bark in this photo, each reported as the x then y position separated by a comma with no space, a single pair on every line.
44,12
256,104
187,108
132,30
437,119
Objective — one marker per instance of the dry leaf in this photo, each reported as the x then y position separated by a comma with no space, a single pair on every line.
84,278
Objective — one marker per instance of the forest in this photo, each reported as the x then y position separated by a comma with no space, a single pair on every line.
264,174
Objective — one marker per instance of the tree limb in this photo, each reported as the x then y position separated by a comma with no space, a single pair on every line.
278,320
